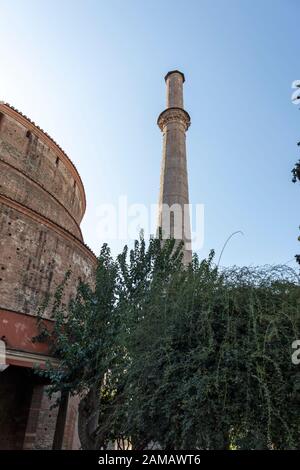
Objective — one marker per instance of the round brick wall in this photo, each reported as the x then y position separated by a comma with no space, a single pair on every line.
42,202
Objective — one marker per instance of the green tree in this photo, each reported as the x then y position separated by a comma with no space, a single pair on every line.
183,358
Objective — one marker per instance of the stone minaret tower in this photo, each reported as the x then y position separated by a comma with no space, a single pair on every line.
174,217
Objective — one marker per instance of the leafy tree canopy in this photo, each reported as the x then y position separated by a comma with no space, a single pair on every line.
180,358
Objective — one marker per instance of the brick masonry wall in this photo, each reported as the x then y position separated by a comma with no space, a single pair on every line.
34,260
21,188
27,152
41,421
41,206
42,203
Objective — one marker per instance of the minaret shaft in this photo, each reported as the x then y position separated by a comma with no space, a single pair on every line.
174,83
174,217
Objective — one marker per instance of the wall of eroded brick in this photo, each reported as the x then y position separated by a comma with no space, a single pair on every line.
19,187
42,203
25,151
34,260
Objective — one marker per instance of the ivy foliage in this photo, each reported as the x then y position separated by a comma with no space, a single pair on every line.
180,358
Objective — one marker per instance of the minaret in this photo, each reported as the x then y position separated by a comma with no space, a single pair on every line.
174,217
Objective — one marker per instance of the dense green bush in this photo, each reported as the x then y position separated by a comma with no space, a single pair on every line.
183,358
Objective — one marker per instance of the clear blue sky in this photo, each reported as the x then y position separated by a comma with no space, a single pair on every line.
90,72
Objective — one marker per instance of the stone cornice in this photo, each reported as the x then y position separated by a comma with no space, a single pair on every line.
28,359
26,314
6,108
174,115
